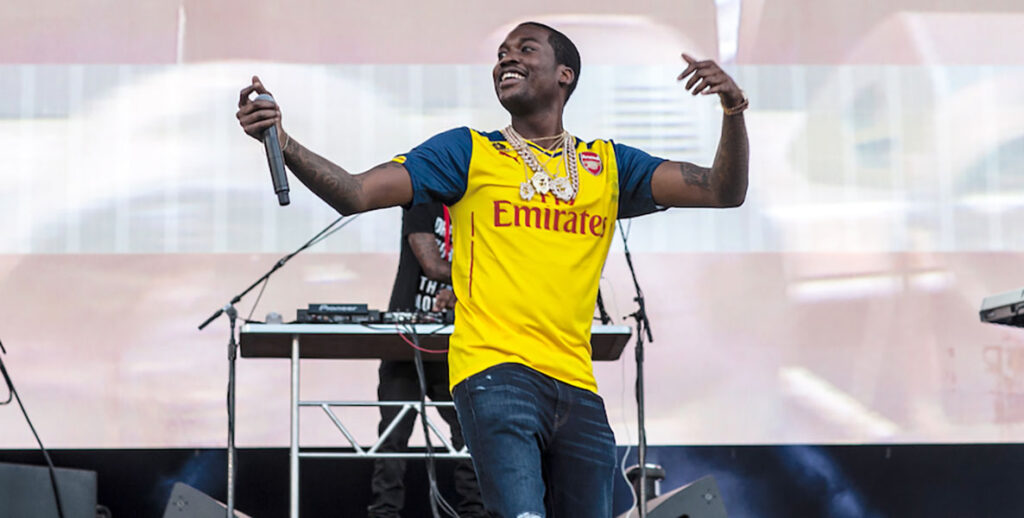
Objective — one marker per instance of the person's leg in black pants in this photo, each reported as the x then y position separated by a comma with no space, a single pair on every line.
398,382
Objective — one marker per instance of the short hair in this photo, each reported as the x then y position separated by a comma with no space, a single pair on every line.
565,52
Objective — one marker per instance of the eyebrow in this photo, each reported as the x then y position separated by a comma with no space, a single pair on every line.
521,40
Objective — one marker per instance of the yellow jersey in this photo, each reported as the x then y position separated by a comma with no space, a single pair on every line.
526,272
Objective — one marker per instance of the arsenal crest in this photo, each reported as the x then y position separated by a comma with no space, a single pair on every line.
591,162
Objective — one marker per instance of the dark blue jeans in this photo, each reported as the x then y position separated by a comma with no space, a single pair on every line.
541,448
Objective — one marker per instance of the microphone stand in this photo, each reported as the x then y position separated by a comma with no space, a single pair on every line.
232,455
643,327
233,348
603,314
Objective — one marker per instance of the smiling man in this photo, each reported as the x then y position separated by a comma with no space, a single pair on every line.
534,207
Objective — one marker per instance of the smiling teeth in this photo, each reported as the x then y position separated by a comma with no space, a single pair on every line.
509,75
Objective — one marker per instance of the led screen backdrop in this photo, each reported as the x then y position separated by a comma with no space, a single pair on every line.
839,304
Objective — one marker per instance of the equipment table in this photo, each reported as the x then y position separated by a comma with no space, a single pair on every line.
369,341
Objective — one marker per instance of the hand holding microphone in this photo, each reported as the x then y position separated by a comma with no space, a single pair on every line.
260,118
275,158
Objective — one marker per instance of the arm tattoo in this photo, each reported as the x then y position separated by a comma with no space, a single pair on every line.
695,175
327,180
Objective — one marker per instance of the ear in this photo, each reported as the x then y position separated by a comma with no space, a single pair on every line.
565,76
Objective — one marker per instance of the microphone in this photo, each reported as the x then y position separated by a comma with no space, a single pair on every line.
275,159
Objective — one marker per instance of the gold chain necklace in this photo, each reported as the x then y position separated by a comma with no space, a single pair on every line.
563,187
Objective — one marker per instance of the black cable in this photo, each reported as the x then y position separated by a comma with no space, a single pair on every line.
46,454
435,493
258,297
603,315
10,386
381,327
426,430
625,231
320,236
643,327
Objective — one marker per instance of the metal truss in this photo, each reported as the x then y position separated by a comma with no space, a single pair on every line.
445,451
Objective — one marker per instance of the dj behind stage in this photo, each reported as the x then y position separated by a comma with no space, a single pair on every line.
534,209
423,283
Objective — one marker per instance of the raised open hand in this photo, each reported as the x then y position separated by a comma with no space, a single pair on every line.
706,77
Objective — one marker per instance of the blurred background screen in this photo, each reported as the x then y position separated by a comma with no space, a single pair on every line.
838,305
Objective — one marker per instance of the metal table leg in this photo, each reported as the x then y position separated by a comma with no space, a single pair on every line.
293,453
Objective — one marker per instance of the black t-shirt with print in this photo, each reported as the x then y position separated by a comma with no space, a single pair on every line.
413,291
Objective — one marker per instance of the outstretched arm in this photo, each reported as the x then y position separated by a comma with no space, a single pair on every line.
724,184
385,185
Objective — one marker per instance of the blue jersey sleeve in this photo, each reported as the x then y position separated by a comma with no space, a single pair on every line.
635,170
439,167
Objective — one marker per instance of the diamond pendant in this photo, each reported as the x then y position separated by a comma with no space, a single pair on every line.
562,189
541,183
526,191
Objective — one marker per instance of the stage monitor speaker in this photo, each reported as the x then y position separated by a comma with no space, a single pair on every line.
698,499
27,492
189,502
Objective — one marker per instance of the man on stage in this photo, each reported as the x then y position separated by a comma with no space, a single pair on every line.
423,283
534,208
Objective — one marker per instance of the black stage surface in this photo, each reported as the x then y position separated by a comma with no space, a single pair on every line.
767,481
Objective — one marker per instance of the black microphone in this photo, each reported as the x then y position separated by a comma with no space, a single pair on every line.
275,159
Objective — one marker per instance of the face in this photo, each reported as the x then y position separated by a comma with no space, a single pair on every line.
526,76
